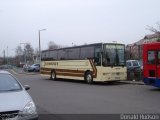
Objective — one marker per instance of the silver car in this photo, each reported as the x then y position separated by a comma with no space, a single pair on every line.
34,68
15,102
133,65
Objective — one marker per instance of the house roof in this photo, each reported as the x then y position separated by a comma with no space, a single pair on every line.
147,37
156,35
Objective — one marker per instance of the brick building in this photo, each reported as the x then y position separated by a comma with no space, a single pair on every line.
134,51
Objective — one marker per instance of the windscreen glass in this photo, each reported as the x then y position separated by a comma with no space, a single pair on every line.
113,55
8,83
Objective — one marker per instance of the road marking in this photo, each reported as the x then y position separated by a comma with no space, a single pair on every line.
14,72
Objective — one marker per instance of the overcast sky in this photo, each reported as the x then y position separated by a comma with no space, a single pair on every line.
74,21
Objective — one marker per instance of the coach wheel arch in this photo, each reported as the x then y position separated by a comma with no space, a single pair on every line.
88,77
53,75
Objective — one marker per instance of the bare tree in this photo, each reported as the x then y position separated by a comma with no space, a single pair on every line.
25,54
36,51
52,45
29,51
18,50
153,29
19,55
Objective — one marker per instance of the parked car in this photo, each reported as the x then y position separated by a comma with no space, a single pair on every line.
133,65
16,103
34,68
6,66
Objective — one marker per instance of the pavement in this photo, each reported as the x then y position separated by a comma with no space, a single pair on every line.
16,70
140,82
21,71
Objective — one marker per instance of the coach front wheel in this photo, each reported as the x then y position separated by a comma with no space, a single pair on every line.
53,75
89,78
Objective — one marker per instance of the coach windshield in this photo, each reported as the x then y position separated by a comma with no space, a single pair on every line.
113,55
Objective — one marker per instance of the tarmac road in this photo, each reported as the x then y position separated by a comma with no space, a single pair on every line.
77,97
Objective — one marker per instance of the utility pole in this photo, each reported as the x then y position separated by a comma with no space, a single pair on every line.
4,57
24,52
39,35
7,55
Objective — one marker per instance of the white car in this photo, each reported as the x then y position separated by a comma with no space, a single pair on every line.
34,68
15,102
133,65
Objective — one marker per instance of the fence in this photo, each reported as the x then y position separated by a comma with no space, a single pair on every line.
136,75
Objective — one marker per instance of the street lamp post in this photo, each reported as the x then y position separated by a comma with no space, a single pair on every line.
39,33
7,55
24,52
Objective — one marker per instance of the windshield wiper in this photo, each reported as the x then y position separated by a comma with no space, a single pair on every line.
9,90
13,90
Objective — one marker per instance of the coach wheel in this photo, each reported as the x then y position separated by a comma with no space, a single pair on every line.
89,78
53,75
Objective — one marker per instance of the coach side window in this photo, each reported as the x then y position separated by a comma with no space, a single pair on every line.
43,55
61,54
53,55
73,53
97,56
47,55
87,52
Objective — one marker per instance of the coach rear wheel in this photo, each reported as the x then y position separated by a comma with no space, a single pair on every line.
53,75
89,78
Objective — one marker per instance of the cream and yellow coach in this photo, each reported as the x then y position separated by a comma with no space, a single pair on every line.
93,62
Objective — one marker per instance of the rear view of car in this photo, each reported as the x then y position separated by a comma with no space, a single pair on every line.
15,102
34,68
134,70
133,65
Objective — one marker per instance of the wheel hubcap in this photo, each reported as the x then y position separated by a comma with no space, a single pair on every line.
53,75
89,78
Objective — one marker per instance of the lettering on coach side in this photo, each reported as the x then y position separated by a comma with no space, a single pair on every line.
51,63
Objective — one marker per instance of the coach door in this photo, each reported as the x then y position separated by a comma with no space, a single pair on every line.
97,56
